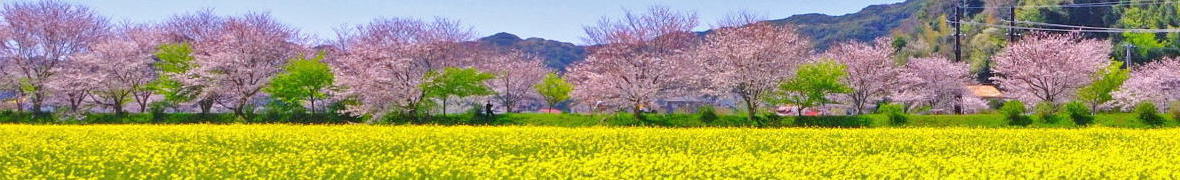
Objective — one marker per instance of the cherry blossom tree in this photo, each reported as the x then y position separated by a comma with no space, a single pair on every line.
516,74
382,63
1049,67
41,36
72,86
189,35
1157,82
872,73
638,58
122,63
242,58
748,58
935,82
195,27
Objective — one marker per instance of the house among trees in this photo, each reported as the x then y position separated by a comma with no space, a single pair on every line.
681,104
8,100
985,91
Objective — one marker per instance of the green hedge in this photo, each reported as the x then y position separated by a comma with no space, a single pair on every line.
172,118
1125,120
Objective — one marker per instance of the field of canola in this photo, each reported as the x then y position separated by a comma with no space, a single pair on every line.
361,151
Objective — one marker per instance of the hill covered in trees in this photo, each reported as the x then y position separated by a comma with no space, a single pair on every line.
555,54
921,28
867,24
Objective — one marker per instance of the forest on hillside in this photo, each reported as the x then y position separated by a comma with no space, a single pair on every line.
929,28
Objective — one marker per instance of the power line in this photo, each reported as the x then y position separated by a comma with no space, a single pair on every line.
1061,25
1085,30
1082,5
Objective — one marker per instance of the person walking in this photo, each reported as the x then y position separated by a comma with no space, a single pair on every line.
488,109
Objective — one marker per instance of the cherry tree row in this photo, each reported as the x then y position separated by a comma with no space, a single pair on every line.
65,56
646,56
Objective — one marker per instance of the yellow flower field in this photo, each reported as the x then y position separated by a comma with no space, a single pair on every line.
362,151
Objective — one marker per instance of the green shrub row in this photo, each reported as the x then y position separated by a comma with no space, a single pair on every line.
886,118
171,118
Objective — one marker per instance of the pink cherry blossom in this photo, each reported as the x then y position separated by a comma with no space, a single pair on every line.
40,37
749,58
1157,82
872,73
1049,67
382,63
236,63
934,82
516,73
639,59
122,64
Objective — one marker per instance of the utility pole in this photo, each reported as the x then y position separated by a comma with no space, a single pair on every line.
1012,21
1129,61
959,31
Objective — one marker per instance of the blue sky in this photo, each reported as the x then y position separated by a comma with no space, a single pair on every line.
550,19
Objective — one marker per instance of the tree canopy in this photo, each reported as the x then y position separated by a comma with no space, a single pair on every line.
812,86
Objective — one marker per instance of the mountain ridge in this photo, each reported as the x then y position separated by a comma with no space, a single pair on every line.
865,25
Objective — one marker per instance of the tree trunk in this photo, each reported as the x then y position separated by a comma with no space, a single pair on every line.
508,106
36,103
142,106
142,102
635,111
118,108
74,105
858,105
312,100
240,110
1093,108
19,107
751,108
444,106
240,113
206,105
117,105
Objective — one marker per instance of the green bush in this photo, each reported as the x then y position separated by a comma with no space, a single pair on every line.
27,118
832,121
922,109
707,114
1174,109
1047,112
995,104
770,119
1147,113
1014,112
1079,113
156,110
895,113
